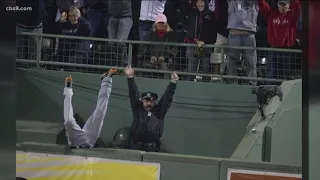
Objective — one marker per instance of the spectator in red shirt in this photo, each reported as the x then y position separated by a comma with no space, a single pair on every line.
282,25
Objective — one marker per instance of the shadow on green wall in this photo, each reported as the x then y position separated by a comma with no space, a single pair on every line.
34,104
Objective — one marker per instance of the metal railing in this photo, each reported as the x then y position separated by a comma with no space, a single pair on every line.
158,59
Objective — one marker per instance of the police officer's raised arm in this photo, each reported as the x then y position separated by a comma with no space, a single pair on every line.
167,97
133,89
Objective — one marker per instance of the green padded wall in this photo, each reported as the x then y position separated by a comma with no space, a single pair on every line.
204,116
107,153
36,131
251,146
314,142
184,167
284,131
257,146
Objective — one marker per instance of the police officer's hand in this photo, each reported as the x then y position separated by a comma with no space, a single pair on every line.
174,77
129,71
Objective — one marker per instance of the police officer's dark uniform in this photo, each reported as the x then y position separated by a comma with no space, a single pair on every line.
147,126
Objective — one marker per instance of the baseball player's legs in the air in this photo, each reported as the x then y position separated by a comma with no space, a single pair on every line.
88,135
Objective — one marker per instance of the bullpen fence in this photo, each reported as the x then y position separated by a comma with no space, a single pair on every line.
158,59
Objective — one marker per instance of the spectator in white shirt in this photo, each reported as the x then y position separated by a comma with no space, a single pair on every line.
149,10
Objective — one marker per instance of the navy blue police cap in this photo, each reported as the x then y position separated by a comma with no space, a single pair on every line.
149,96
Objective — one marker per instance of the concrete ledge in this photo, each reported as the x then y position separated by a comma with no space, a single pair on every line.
121,154
42,148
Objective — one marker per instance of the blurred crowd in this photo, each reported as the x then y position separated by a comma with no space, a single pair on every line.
250,23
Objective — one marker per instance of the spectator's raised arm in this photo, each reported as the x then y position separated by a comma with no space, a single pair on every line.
296,8
264,8
59,24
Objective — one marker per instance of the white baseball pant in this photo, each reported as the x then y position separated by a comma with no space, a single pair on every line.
91,131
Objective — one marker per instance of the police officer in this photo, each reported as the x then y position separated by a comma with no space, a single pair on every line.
148,117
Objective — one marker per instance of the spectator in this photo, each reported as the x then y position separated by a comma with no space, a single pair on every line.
149,10
173,10
282,25
119,26
242,25
200,30
120,21
221,12
65,5
73,50
29,21
51,13
97,13
161,58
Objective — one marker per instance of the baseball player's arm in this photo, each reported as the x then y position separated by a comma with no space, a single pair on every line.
133,93
166,99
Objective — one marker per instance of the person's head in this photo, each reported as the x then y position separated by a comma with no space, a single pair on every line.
148,100
200,4
73,15
161,24
284,6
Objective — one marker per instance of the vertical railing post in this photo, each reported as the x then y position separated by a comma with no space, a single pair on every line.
130,54
223,64
39,46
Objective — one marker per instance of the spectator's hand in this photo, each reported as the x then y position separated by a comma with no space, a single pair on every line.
63,17
200,44
129,71
153,60
160,60
174,77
